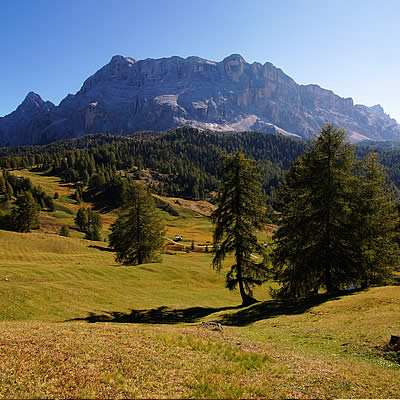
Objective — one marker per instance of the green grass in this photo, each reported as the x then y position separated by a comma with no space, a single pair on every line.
52,278
74,323
135,330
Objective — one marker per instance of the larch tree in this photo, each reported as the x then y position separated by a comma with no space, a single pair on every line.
376,225
90,222
81,219
95,224
315,240
338,221
138,233
239,214
64,231
25,214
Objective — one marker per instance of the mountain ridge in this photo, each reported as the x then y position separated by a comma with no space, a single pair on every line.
128,95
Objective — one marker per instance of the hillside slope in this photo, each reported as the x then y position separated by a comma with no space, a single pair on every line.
145,340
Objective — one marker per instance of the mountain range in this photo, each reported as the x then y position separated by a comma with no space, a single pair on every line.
127,95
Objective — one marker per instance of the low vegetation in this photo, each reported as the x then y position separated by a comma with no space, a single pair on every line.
79,325
75,323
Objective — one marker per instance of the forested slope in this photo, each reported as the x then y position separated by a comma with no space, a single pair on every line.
183,162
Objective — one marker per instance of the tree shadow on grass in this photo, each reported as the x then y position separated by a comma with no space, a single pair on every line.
273,308
239,317
160,315
101,248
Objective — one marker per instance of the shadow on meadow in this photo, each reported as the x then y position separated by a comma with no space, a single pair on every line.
274,308
238,317
101,248
160,315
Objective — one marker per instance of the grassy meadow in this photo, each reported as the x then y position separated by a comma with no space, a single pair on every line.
75,324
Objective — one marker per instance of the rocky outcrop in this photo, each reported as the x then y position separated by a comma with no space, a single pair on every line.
232,95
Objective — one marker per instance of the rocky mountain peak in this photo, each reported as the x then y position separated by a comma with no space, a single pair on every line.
121,59
234,66
126,95
32,99
236,58
378,109
32,105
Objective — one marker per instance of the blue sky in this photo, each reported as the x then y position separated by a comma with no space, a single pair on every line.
350,47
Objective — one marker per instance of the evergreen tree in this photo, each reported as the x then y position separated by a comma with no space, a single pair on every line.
90,222
240,210
64,231
315,238
138,233
376,220
49,203
324,238
93,233
25,214
81,219
94,225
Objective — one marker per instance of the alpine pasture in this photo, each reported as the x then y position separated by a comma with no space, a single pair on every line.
75,324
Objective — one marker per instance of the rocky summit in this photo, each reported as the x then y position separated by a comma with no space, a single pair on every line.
159,94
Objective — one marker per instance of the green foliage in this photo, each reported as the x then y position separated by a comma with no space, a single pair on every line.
138,233
90,222
25,214
376,221
49,203
81,219
330,228
182,162
64,231
12,185
240,211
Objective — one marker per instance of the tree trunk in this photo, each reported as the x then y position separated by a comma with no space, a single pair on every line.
246,299
328,281
364,285
139,257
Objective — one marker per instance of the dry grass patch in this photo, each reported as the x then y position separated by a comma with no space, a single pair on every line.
131,360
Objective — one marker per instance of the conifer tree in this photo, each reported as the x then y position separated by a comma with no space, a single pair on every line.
376,220
25,214
90,222
337,222
64,231
239,213
315,240
81,219
138,233
94,225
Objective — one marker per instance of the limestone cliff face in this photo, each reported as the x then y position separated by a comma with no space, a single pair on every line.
232,95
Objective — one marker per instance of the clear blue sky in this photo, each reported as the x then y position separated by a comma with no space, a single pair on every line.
350,47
